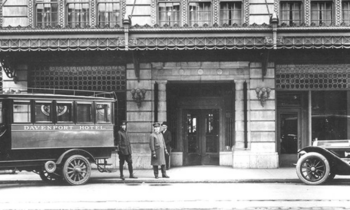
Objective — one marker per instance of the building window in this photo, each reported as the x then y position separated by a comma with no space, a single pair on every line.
78,13
109,12
169,13
15,13
230,13
321,12
200,13
46,13
346,11
291,13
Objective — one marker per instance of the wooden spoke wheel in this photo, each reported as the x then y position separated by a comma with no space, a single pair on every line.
76,170
48,177
313,168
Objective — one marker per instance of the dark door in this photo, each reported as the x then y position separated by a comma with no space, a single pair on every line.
289,122
201,136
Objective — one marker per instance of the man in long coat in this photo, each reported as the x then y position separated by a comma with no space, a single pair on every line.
167,140
123,148
158,148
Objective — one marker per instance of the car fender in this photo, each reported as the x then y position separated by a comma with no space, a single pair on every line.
338,166
75,152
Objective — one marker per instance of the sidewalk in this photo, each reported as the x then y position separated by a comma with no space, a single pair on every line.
189,174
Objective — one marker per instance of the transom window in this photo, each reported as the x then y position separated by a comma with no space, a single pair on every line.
200,13
46,13
230,13
169,13
291,13
109,12
15,13
321,12
78,13
346,11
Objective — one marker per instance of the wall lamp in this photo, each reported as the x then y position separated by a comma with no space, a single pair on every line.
262,94
138,95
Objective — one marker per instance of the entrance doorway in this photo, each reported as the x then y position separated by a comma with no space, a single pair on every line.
201,136
289,133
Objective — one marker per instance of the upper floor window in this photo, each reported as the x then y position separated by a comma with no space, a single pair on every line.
46,13
169,13
230,13
15,13
291,13
321,12
200,13
109,12
346,11
78,13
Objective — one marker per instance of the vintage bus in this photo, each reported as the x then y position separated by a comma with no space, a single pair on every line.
56,133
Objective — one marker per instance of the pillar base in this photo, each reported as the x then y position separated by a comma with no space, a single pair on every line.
248,159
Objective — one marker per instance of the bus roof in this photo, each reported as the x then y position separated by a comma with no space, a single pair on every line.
61,94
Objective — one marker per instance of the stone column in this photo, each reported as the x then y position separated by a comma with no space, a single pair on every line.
239,116
162,115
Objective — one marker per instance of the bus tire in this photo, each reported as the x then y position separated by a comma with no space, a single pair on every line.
76,170
48,177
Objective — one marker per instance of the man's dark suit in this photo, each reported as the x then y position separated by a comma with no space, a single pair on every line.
167,140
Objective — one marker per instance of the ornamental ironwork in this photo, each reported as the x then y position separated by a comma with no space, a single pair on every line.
335,76
98,78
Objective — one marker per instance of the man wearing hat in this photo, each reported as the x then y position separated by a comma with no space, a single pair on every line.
158,148
123,148
167,140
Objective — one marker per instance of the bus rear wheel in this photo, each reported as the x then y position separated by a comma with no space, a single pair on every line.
48,177
76,170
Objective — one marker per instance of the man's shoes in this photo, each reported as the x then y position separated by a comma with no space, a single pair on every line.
132,176
166,176
122,178
156,177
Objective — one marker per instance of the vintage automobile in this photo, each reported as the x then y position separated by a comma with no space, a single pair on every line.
56,133
323,161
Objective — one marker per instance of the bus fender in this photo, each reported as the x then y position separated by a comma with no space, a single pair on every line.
75,152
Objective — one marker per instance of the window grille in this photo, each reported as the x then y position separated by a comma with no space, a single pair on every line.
97,78
313,77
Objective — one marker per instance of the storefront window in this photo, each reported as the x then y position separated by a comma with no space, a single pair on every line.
329,115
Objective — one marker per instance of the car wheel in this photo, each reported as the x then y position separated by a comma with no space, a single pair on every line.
313,168
76,170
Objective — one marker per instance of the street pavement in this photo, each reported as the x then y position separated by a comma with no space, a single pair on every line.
189,174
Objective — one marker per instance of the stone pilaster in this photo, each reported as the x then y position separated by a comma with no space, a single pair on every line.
162,101
239,116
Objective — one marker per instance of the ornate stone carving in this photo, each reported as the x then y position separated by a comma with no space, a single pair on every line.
246,11
154,12
62,14
184,5
94,14
30,13
338,11
307,12
216,11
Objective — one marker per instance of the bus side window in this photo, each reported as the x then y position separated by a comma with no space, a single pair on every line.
43,111
21,111
64,111
84,112
103,113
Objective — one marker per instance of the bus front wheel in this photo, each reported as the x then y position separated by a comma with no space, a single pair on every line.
76,170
